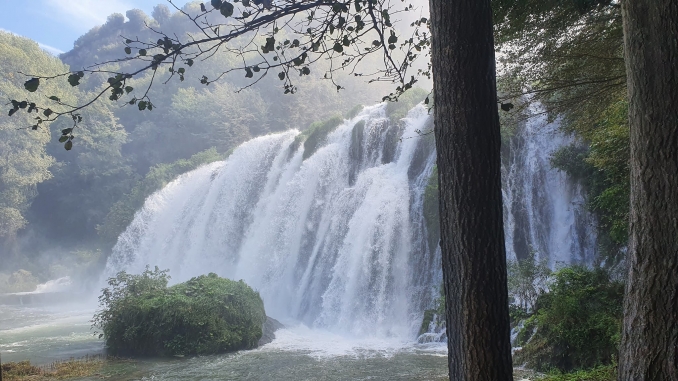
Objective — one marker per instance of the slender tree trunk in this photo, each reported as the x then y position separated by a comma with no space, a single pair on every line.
472,236
649,345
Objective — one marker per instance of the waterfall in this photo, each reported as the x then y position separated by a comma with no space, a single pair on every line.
334,241
544,211
336,238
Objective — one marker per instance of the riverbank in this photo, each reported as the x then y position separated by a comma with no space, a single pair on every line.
58,370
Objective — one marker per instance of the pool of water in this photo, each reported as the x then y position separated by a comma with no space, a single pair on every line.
46,334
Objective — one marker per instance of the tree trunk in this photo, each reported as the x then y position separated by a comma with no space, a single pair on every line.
472,236
649,345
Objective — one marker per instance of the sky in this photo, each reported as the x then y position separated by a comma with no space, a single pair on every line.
56,24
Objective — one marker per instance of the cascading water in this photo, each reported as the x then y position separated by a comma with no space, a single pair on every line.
544,211
335,240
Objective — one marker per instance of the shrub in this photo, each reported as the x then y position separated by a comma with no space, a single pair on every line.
140,315
577,324
602,373
526,281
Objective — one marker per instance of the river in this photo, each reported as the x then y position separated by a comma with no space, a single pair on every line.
44,334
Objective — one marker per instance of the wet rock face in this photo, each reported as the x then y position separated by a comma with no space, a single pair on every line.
270,326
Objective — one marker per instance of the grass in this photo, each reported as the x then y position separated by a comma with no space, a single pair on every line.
58,370
602,373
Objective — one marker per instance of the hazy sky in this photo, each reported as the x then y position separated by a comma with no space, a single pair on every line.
56,24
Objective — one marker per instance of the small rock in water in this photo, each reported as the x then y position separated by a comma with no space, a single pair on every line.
270,326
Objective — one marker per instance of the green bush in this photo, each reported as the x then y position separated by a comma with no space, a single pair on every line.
576,324
140,315
602,373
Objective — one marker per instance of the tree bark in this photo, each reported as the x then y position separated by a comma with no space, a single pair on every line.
468,145
649,344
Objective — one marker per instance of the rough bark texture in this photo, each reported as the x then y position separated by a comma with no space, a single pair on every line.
649,345
468,145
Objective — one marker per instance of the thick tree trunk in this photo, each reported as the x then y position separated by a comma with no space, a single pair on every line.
472,235
649,345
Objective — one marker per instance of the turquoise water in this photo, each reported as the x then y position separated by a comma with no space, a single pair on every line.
46,334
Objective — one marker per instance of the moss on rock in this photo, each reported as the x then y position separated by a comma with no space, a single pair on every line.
315,135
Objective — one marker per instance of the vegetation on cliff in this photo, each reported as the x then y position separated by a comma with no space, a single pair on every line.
575,325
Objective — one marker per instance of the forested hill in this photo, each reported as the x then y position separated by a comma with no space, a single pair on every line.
62,202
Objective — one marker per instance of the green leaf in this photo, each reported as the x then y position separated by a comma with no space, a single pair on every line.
281,75
256,69
142,52
506,106
181,70
338,48
68,145
12,111
216,4
128,50
63,138
23,104
142,105
189,62
32,84
128,89
47,112
248,73
66,131
202,7
393,38
55,98
306,71
74,79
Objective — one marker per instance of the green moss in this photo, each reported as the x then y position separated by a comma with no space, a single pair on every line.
431,212
207,314
316,135
398,110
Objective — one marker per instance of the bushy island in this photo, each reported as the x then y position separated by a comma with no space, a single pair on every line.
141,316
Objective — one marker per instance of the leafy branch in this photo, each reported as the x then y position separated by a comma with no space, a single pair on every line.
343,31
